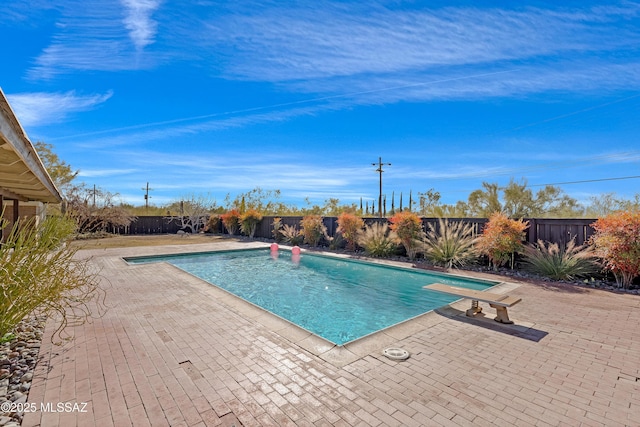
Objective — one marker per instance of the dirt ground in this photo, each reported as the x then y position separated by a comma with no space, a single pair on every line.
152,240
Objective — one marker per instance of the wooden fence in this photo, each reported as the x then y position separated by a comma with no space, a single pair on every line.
558,231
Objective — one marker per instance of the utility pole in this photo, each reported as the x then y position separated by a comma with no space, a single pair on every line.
380,164
146,196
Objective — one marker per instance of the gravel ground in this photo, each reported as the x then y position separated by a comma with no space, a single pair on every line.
18,359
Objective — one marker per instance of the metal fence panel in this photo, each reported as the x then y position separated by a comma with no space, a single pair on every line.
558,231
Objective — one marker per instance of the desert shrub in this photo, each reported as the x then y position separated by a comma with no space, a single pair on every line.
40,274
94,209
453,245
408,229
501,239
548,259
291,235
211,226
617,242
336,242
277,227
313,229
349,225
231,221
378,240
249,221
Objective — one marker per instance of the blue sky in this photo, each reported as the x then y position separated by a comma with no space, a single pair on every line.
210,97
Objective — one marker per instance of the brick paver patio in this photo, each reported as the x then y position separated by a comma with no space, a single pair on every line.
174,351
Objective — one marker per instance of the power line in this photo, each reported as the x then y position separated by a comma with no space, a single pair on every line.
586,180
627,156
562,183
573,113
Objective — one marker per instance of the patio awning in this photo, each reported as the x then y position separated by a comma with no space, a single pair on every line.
23,177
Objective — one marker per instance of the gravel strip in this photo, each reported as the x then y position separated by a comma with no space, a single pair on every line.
18,359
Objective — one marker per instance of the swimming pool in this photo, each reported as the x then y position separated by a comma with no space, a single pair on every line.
338,299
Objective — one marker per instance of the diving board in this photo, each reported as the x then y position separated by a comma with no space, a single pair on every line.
498,301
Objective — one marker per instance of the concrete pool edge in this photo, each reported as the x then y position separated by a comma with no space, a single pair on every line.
337,355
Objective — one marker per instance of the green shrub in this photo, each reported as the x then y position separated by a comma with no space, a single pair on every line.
378,240
501,239
349,225
617,242
231,221
212,224
249,221
336,242
453,245
313,229
40,273
408,229
571,262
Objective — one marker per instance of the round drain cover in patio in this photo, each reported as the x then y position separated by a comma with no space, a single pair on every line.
396,353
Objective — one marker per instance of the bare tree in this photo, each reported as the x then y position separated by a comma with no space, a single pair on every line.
192,212
94,209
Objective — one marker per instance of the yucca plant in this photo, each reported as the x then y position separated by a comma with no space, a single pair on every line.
451,245
277,228
568,263
335,242
40,273
378,240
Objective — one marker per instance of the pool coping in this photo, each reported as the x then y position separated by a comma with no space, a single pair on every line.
337,355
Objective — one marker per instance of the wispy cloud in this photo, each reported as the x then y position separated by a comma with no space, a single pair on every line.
345,54
98,35
24,12
281,171
189,126
142,28
41,108
507,83
329,40
94,173
342,55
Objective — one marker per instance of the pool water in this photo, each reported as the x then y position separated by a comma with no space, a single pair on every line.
337,299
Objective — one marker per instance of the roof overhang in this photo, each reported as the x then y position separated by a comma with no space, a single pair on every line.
22,174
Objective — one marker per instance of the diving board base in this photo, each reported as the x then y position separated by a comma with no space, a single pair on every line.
497,301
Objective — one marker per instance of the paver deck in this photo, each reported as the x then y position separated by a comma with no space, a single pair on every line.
174,351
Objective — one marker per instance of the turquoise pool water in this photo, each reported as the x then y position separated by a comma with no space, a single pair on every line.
339,300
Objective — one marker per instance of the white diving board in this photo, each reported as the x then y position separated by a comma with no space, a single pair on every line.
498,301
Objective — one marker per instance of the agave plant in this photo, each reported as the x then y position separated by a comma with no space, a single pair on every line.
452,244
377,240
568,263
